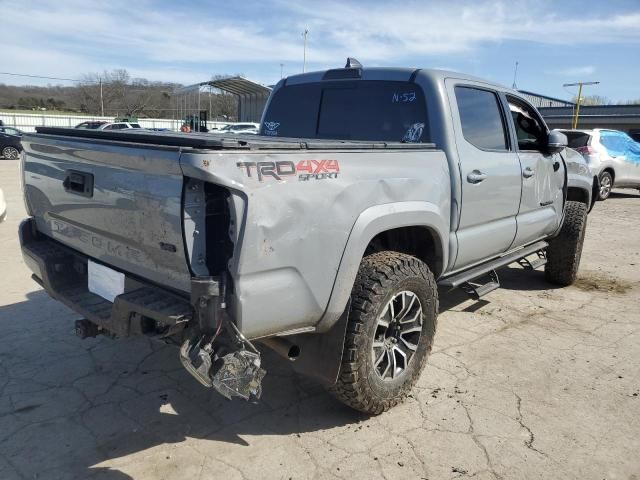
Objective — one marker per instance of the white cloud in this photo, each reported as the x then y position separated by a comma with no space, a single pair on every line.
73,37
576,71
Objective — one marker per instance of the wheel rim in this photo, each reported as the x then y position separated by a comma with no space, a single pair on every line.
397,335
605,185
10,153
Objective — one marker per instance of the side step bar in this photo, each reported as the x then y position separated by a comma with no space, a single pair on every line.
464,279
476,290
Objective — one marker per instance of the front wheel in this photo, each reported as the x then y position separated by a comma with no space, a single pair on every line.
606,184
565,250
392,323
10,153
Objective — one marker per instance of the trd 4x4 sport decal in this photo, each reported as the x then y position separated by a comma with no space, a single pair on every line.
305,169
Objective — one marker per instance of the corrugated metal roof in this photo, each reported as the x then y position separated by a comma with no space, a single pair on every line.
235,85
240,86
559,101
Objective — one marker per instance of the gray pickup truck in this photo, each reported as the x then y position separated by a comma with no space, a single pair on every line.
325,237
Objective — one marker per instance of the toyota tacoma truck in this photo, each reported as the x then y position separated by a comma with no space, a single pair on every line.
325,238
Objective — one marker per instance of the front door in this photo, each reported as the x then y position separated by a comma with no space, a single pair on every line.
543,176
491,174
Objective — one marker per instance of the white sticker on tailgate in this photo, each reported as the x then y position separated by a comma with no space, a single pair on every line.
104,281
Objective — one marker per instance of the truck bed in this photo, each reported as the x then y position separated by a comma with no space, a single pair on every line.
212,141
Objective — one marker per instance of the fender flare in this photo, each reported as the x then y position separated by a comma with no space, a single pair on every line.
371,222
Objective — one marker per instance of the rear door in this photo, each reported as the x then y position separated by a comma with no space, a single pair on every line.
625,157
543,175
490,170
117,203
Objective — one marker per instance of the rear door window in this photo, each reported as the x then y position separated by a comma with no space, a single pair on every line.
481,118
614,142
349,110
577,139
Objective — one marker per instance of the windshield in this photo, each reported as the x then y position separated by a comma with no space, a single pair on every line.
10,131
349,110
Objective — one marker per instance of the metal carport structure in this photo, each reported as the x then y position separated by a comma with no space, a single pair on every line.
251,97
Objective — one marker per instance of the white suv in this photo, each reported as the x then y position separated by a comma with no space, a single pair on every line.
612,155
118,126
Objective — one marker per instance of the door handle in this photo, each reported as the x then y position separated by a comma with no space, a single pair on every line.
79,183
528,172
476,176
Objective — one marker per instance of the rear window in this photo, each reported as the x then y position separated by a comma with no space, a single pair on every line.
135,125
577,139
349,110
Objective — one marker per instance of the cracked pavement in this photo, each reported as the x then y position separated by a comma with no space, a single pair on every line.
531,382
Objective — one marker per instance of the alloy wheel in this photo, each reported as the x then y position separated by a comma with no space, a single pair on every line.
10,153
397,335
605,186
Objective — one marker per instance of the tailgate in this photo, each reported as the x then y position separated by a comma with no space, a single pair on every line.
119,204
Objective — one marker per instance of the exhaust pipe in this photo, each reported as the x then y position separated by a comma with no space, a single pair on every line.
282,347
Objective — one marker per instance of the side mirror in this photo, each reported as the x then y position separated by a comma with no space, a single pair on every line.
556,142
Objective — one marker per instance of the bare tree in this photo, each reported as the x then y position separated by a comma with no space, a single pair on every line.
590,100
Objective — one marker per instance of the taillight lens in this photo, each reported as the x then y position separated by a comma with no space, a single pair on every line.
586,150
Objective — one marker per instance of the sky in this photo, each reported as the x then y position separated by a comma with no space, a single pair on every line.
188,42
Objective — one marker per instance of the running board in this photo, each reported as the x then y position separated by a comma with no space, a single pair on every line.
533,264
459,279
476,290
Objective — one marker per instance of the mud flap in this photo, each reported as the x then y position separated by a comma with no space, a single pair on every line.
321,353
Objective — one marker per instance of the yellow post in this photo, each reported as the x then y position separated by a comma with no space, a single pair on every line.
575,118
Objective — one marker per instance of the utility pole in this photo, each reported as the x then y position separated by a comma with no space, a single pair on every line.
101,100
304,52
515,73
574,124
281,66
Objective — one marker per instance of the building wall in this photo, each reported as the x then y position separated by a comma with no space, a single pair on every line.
250,107
615,117
28,122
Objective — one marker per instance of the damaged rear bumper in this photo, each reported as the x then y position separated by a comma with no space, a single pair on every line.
212,348
62,272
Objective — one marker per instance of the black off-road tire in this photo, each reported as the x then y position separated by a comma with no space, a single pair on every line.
606,184
380,277
565,250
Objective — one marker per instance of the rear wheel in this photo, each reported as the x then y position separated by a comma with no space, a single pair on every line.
392,323
10,153
565,250
606,184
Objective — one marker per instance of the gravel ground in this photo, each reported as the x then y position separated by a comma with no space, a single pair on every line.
533,382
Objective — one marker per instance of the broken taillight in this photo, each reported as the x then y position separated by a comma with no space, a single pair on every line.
586,150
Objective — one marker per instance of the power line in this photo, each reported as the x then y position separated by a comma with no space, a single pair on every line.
46,78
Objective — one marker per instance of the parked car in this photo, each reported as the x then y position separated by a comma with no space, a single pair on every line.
611,155
10,146
119,126
250,128
91,125
11,131
325,237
